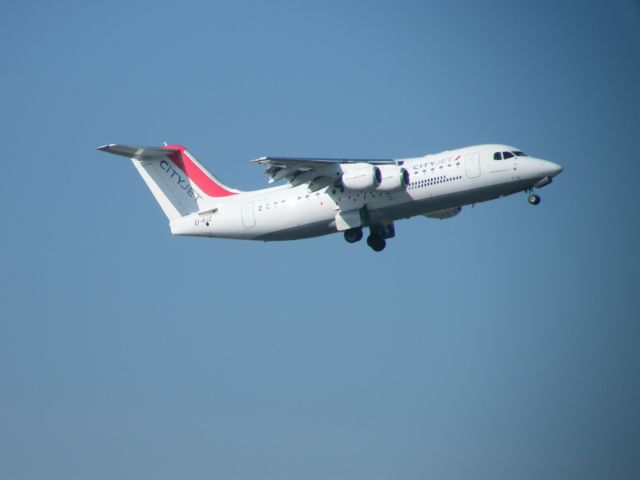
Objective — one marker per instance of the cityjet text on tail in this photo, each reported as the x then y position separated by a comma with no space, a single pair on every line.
323,196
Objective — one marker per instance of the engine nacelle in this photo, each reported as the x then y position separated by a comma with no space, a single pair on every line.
361,176
393,178
444,213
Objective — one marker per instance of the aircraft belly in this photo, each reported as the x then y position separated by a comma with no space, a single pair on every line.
297,232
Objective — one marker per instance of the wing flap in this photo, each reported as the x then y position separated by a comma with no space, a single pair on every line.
304,162
317,172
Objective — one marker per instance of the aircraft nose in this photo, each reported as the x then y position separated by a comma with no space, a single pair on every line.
551,169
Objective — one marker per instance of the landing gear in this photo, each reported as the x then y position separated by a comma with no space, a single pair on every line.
376,242
377,236
353,235
534,199
379,233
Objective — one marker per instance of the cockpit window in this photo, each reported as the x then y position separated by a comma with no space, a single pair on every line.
506,155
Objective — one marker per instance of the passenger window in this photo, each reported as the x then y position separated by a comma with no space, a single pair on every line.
507,155
497,156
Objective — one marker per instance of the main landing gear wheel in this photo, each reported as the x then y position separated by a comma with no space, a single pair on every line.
376,242
534,199
353,235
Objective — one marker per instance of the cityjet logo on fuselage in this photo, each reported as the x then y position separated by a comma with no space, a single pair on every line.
435,163
181,179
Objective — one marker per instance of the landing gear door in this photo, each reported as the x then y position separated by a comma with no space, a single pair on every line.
248,219
349,219
472,165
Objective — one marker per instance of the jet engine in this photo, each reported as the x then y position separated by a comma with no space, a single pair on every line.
444,213
361,176
393,178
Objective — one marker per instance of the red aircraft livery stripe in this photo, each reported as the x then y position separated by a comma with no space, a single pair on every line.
203,181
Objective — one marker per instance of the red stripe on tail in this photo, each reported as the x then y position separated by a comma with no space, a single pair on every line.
202,180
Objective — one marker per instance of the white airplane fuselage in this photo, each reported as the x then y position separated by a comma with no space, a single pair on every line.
439,185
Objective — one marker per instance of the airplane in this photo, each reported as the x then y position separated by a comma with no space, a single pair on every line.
324,195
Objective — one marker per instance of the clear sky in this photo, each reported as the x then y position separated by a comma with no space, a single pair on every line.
501,344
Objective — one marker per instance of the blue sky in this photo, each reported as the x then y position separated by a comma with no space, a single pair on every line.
499,344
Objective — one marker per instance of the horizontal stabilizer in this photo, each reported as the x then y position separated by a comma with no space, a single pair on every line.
139,153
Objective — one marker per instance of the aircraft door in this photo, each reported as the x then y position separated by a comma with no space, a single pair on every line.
248,219
472,165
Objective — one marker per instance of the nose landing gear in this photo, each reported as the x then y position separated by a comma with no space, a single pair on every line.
534,199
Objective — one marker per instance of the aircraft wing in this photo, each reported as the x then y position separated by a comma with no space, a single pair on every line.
317,172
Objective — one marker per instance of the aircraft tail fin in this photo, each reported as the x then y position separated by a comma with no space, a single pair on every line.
179,183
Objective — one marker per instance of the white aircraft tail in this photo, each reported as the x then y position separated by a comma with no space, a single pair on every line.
179,183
